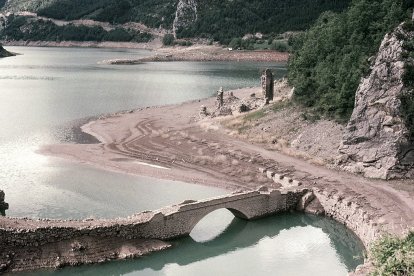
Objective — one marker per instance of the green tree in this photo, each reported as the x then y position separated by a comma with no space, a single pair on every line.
330,59
168,40
235,43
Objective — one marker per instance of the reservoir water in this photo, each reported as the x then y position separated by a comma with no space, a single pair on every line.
46,93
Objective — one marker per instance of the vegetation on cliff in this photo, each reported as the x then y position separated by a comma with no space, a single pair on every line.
216,19
26,28
394,256
330,59
223,20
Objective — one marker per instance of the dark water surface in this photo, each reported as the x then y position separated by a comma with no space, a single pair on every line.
47,92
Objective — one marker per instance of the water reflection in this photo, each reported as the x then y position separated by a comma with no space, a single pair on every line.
288,244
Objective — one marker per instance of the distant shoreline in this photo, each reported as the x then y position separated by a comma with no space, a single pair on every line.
81,44
239,56
197,52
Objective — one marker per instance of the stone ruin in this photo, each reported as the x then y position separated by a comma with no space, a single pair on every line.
267,85
220,98
3,205
227,104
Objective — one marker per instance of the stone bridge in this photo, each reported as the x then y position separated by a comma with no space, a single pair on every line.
166,223
179,220
37,243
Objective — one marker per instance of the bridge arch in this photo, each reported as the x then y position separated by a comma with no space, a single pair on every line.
237,212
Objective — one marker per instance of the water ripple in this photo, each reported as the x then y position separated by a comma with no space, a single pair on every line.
25,77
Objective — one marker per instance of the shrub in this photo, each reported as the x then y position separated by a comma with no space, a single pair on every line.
394,256
280,46
329,60
235,43
168,40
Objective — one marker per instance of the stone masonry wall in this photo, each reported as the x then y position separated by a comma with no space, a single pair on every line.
357,218
166,223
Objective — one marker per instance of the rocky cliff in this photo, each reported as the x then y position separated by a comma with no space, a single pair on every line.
185,15
376,142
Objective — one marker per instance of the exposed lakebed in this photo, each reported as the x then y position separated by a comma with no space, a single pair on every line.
45,93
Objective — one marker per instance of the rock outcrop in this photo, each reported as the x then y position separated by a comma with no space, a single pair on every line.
376,141
3,205
185,15
4,53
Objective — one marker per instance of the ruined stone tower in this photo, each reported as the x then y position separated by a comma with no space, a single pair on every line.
220,98
267,85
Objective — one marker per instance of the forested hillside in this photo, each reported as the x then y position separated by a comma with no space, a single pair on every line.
223,20
217,19
330,59
31,29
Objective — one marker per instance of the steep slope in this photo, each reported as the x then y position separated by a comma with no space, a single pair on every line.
330,59
221,20
32,28
378,140
185,15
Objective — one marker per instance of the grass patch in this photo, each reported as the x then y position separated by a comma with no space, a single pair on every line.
256,115
394,256
311,117
280,105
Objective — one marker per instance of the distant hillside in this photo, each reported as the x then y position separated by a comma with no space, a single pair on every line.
29,28
217,19
223,20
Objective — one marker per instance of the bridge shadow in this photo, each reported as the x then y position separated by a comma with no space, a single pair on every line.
238,235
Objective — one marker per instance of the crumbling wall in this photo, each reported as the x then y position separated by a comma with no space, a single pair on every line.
268,85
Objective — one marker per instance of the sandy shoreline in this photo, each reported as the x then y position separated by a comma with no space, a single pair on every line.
204,152
197,52
205,53
84,44
201,150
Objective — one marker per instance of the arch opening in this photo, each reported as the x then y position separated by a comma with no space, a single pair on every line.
212,225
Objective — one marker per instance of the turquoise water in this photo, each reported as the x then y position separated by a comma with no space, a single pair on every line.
46,93
290,244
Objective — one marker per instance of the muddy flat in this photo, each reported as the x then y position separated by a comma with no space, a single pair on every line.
174,142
